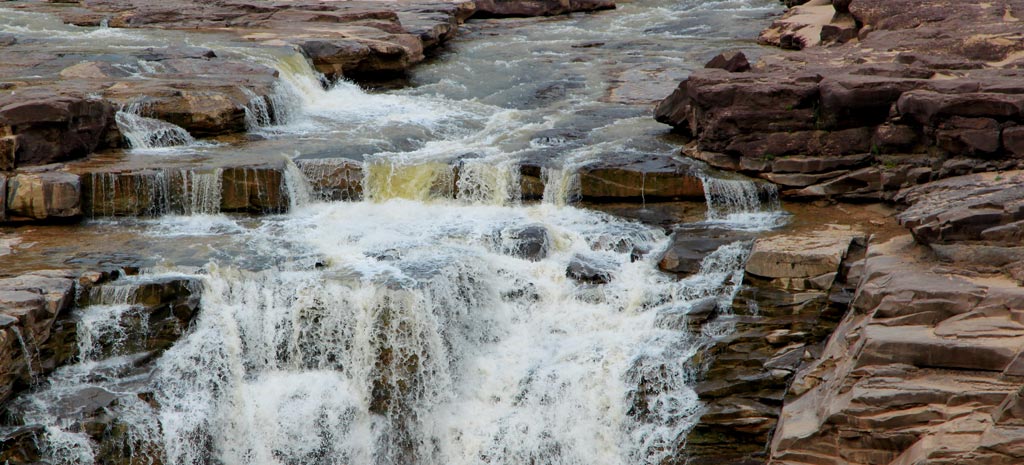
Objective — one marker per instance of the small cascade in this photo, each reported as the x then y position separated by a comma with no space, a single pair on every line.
25,352
103,325
280,107
384,180
142,132
200,191
481,181
561,186
272,187
742,203
257,111
298,187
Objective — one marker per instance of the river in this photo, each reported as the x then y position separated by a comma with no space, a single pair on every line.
431,321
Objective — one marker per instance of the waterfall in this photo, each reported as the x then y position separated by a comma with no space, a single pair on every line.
561,186
143,132
298,187
200,191
482,181
742,203
421,312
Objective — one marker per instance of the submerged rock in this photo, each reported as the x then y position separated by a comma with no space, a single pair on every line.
531,242
588,270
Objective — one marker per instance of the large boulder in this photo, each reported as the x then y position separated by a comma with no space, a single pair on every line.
45,128
43,196
804,261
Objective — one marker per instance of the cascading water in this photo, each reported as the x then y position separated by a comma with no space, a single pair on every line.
143,132
441,320
742,203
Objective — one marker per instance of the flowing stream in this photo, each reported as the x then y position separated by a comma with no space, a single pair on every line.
439,320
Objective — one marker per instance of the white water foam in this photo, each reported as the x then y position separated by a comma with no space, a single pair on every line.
413,323
742,204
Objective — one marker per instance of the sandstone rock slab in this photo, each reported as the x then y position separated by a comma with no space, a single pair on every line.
46,195
800,256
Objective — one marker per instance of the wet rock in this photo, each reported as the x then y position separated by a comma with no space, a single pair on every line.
334,179
162,309
338,58
530,242
254,189
20,445
48,128
651,177
31,304
43,196
733,62
588,270
507,8
531,179
690,246
983,208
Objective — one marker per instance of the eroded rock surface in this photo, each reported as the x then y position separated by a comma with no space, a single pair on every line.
922,370
882,96
779,321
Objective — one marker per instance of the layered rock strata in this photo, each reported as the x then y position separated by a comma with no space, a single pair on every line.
793,295
922,370
904,93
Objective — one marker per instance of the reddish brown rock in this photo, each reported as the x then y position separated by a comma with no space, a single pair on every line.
333,179
29,306
1013,140
914,373
43,196
981,207
255,189
48,128
505,8
650,177
733,62
935,100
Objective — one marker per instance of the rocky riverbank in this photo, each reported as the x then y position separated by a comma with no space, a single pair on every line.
892,102
880,96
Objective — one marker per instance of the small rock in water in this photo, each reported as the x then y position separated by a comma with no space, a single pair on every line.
530,242
588,270
733,62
